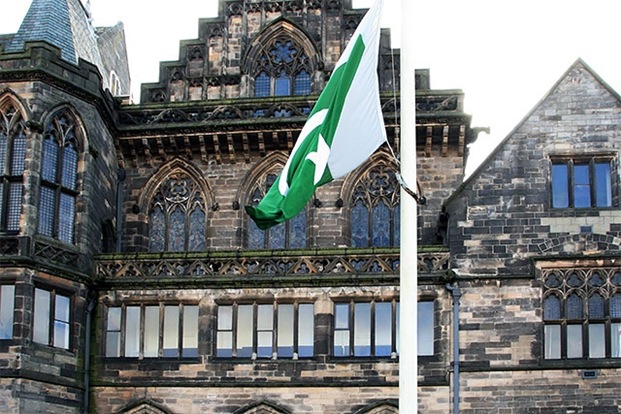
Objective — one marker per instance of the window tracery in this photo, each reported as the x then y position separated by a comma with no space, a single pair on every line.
375,209
12,155
288,235
282,69
177,216
59,178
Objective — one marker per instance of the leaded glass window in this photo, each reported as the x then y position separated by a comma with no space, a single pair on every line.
290,234
582,313
283,69
375,209
12,155
177,216
59,178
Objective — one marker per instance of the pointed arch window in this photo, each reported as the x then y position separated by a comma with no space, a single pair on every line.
59,178
288,235
282,70
375,209
177,216
12,155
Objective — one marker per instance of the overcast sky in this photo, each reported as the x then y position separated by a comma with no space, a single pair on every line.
504,55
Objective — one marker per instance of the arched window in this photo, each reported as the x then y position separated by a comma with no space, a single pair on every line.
12,154
177,216
375,209
283,69
288,235
59,178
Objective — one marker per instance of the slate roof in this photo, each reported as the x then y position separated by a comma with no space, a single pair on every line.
62,23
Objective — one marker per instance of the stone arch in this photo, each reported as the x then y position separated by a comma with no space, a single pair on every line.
380,407
171,167
176,201
583,243
144,407
299,62
369,190
80,127
8,96
262,407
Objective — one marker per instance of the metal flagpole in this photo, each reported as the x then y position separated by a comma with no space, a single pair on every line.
408,338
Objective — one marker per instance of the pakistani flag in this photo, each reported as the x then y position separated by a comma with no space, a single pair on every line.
344,128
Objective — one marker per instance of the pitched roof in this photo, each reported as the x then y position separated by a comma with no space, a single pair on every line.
579,63
62,23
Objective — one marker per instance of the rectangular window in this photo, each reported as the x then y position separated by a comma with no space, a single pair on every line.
152,331
7,308
582,183
371,329
51,318
265,330
580,319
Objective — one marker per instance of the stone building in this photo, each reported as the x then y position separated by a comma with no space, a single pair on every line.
132,281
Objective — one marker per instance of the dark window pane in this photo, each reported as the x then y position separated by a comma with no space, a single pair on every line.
176,231
157,229
47,206
19,154
596,307
196,240
302,83
256,236
277,236
262,85
69,167
397,224
297,231
360,225
615,306
603,185
66,217
551,308
582,186
574,309
14,206
381,225
3,145
50,159
282,86
560,186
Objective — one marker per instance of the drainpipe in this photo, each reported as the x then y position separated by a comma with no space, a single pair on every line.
119,208
456,294
87,355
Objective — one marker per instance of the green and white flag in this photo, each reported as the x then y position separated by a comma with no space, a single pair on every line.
344,128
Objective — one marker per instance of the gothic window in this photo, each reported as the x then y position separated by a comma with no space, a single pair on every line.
59,174
152,331
177,216
288,235
375,209
582,182
51,318
12,154
265,330
582,313
282,70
